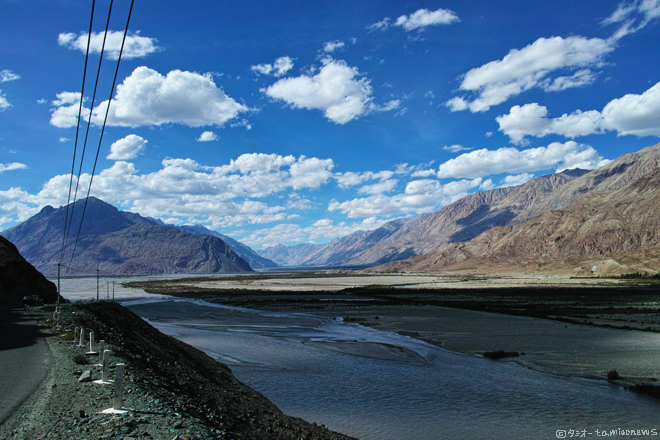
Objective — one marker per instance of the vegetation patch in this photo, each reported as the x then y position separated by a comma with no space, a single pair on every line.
646,389
80,359
613,375
500,354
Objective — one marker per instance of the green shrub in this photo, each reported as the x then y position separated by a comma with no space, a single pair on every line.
80,359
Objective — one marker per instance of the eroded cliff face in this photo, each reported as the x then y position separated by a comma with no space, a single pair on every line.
19,278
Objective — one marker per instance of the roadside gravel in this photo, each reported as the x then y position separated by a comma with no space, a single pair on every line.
175,391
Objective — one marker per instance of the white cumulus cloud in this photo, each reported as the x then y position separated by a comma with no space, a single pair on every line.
629,115
127,148
207,136
336,89
136,46
481,163
516,179
65,113
332,46
522,69
420,196
12,166
635,114
183,190
148,98
423,18
280,67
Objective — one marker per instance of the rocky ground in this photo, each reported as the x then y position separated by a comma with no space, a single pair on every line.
175,391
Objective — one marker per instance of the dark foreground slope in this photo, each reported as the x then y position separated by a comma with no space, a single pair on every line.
19,278
206,388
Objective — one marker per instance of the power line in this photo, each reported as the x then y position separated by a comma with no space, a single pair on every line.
75,146
105,120
89,119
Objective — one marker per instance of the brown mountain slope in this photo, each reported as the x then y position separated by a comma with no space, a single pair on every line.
476,213
616,232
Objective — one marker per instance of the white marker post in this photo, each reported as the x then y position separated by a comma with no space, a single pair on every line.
75,334
104,373
91,344
82,338
119,393
101,350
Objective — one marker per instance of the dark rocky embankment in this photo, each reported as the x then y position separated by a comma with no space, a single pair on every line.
190,381
19,278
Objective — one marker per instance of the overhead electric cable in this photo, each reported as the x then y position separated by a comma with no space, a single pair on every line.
105,120
75,146
89,120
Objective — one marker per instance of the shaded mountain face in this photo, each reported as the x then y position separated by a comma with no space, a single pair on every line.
245,252
602,233
19,278
119,243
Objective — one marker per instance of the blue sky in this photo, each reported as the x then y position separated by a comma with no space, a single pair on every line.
292,121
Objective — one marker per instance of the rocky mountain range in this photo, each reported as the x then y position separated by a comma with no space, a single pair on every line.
469,216
605,233
255,260
119,243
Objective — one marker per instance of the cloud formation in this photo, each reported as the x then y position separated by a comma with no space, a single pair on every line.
455,148
423,18
182,190
332,46
8,75
136,46
280,67
207,136
522,69
418,20
4,104
629,115
324,228
420,196
633,16
481,163
127,148
66,108
148,98
12,166
336,89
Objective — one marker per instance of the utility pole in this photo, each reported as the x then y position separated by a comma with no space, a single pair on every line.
58,286
97,283
113,291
